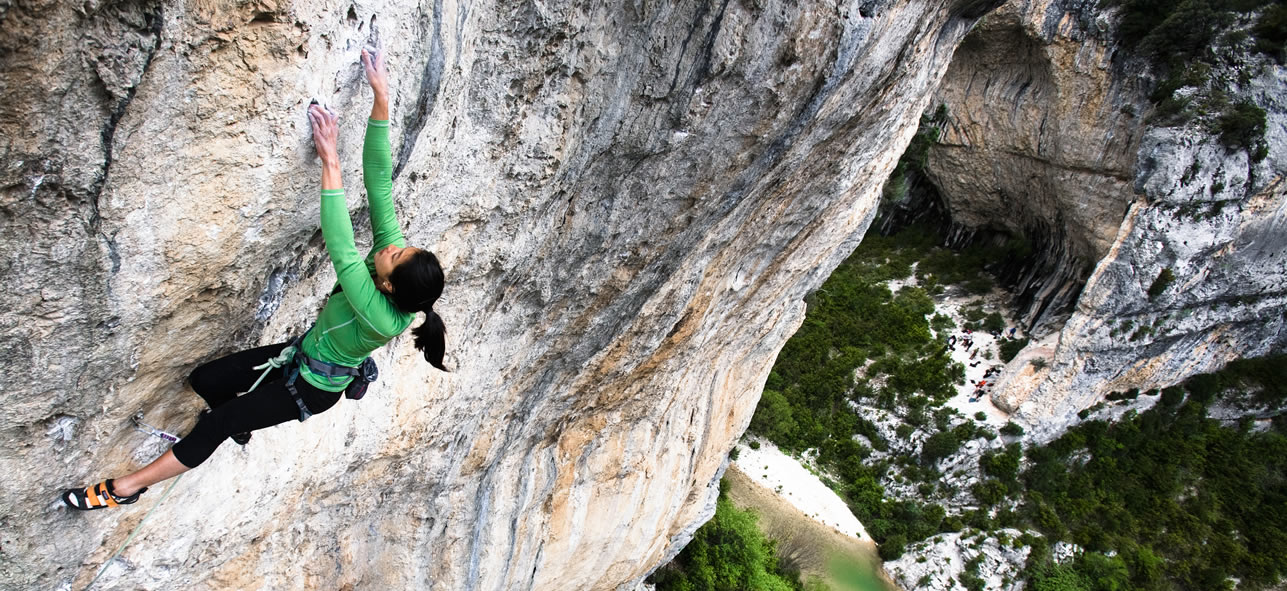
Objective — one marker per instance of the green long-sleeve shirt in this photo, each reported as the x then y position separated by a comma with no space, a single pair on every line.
360,318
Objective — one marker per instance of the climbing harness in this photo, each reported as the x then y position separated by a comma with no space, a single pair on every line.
362,375
293,358
153,431
283,359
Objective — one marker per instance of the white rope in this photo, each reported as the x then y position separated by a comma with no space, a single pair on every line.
280,360
133,533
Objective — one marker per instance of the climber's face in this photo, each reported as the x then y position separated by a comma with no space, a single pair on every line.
386,260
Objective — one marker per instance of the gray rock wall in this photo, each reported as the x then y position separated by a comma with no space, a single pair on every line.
1041,138
1049,137
631,200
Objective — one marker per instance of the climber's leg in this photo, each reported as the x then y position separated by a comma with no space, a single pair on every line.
269,404
162,468
223,379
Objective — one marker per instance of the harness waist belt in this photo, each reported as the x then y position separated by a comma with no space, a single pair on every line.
328,370
324,368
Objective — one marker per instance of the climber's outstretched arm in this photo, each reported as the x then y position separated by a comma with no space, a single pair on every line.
377,160
337,227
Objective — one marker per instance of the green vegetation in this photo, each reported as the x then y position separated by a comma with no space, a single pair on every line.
1181,32
1187,40
1011,347
1271,32
914,158
856,327
1242,126
1173,30
1160,284
856,323
941,323
728,553
1182,500
1165,499
993,323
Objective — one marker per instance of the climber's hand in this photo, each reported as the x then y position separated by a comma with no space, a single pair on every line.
326,131
376,74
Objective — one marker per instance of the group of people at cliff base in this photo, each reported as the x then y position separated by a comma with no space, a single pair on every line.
375,299
984,386
966,338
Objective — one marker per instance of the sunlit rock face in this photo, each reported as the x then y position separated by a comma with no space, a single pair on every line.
1048,137
631,200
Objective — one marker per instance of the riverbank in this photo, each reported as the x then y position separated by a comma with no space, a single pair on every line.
844,562
774,470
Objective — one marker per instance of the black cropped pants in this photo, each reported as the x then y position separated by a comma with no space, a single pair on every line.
220,381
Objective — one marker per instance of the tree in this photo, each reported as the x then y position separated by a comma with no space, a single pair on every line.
1164,279
1010,348
773,418
728,553
989,492
939,446
893,547
994,323
1059,577
1105,573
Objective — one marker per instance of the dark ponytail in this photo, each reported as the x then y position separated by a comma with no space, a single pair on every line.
417,284
431,338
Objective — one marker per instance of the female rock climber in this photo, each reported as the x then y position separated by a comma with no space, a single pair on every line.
374,300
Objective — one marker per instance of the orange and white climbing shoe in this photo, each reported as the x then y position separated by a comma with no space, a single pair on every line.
98,496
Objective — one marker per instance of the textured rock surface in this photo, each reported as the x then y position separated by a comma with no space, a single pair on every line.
1044,140
1226,248
1041,141
938,563
631,200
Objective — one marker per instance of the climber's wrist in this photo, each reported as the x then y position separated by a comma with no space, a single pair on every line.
380,108
331,175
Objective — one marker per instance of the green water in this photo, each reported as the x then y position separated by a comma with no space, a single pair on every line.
853,575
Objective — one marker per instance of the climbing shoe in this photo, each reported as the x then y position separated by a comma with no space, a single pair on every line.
98,496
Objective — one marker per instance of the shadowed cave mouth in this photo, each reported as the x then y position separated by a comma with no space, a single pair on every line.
1035,266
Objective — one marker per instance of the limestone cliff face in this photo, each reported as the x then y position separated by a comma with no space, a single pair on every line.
630,199
1048,138
1041,141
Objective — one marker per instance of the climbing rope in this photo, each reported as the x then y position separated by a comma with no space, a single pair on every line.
133,533
286,356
